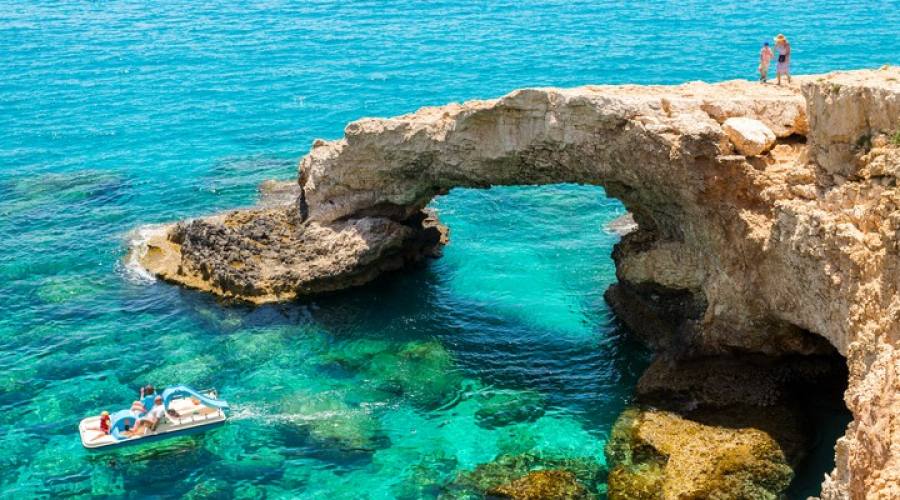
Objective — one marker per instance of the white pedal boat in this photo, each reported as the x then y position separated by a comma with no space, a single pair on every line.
197,412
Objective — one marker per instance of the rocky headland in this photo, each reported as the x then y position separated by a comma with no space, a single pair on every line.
766,237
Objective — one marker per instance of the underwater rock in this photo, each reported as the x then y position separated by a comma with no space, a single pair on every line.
356,354
63,189
332,422
198,371
254,347
209,489
426,478
59,289
659,454
508,469
542,485
423,372
499,409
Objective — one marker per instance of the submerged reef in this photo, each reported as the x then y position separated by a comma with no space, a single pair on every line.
331,421
529,476
423,372
542,485
500,409
666,456
720,427
766,225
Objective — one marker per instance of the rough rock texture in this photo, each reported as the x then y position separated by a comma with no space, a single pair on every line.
750,137
720,427
277,193
529,476
622,225
668,457
542,485
268,254
742,254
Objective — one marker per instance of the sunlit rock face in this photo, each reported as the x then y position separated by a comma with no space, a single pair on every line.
767,254
721,426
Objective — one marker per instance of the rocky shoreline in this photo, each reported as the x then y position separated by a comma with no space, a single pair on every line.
268,254
767,222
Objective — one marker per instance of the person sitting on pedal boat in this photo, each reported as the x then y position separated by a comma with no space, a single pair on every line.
138,409
151,419
144,401
104,426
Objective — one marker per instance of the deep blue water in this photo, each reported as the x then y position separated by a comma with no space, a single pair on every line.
118,114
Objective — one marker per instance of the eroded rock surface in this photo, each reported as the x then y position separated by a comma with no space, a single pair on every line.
666,456
733,253
529,476
542,485
750,137
269,254
720,427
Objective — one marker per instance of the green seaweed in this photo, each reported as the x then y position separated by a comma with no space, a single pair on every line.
895,138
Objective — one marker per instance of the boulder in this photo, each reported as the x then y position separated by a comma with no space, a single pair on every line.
661,454
751,137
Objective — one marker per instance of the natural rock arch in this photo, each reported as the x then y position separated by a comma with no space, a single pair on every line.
740,253
661,150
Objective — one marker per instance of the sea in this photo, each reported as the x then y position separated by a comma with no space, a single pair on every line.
116,116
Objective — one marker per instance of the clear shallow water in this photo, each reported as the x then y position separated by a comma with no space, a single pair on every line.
113,115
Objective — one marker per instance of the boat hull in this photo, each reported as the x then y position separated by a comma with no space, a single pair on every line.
193,417
94,447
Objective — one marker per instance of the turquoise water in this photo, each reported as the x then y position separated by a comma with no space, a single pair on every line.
118,114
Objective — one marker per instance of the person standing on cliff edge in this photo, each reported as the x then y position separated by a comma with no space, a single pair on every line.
765,57
783,49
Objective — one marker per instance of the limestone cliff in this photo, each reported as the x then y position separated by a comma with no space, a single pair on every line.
733,253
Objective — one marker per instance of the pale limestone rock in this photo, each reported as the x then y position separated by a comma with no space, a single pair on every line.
621,225
750,137
846,111
277,193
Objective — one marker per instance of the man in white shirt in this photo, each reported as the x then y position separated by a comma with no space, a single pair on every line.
149,421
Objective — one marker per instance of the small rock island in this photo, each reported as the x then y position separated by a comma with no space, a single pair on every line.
766,248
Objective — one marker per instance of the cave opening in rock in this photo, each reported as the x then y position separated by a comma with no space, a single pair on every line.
787,410
822,399
539,237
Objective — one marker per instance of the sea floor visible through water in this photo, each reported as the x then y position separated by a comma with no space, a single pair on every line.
115,116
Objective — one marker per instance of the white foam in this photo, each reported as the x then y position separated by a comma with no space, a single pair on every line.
137,242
